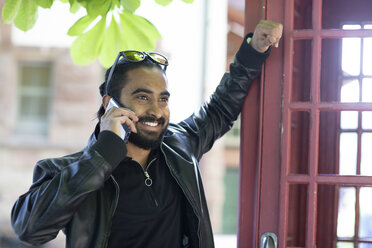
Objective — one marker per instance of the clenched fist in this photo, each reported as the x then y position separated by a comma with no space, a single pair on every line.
267,33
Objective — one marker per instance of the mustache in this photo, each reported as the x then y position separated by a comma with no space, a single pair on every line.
160,120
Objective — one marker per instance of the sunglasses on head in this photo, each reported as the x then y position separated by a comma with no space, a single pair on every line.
132,56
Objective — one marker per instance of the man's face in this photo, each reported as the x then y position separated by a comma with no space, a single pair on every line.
146,94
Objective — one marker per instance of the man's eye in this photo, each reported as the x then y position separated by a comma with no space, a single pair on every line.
164,99
143,98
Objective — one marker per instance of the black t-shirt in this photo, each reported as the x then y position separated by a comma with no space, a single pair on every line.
146,215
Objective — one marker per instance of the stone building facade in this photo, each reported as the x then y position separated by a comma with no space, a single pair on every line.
48,108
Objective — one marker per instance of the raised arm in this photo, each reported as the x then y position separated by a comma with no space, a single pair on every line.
216,117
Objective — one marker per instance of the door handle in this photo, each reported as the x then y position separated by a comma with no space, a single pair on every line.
269,240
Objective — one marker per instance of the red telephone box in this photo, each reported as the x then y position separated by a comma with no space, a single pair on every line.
306,150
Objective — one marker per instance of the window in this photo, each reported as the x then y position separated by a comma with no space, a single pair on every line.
356,130
33,98
354,215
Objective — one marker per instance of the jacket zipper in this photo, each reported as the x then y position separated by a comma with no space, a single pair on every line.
148,182
178,182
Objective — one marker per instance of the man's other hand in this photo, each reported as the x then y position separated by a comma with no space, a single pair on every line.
267,33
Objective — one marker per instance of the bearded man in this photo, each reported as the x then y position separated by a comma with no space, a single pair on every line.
137,183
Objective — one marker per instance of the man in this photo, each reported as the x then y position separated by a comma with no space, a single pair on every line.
143,189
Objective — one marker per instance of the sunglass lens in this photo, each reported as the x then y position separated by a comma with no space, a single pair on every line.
159,58
134,56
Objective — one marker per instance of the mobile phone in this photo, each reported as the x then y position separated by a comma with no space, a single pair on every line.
124,130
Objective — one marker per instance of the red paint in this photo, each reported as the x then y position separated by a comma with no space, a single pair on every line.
266,147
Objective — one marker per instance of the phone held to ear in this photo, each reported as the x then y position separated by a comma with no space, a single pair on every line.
124,130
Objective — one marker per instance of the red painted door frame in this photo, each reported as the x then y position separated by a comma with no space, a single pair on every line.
259,174
267,176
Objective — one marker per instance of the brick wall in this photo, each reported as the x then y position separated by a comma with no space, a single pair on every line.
74,102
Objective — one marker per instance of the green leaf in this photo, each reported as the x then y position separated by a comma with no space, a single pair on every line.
45,3
138,32
163,2
27,15
64,1
10,10
188,1
98,7
86,47
112,44
130,5
80,25
116,3
83,3
74,6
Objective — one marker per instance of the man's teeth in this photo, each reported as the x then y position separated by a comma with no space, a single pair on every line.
151,124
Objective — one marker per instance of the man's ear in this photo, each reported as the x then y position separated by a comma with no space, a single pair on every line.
105,100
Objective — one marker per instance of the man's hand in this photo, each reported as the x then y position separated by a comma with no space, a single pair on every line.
266,34
115,117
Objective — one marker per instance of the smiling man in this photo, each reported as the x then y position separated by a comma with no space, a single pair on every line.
145,94
137,184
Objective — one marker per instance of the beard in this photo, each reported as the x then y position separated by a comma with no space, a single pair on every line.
148,140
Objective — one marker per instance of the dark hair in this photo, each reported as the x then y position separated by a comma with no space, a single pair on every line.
119,79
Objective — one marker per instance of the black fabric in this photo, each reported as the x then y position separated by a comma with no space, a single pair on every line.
146,216
248,56
111,147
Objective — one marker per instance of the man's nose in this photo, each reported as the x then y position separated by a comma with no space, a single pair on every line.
155,110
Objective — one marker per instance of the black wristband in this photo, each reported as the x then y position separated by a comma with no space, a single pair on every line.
111,147
249,57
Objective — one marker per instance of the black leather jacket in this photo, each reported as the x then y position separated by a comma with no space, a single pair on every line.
78,194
